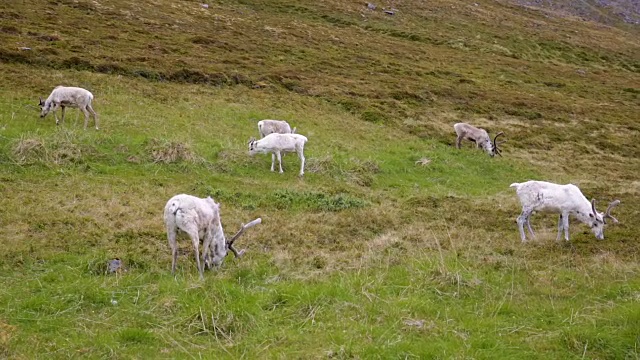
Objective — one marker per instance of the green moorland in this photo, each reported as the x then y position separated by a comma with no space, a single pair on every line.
393,245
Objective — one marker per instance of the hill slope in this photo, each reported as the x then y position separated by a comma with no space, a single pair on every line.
395,244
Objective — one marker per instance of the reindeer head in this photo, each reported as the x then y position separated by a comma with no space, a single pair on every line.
219,247
487,146
252,146
598,219
44,108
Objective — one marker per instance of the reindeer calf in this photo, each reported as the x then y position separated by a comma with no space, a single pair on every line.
276,144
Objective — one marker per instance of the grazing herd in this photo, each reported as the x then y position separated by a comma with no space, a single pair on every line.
200,218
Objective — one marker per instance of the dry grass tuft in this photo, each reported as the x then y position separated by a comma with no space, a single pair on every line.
60,149
320,165
26,151
169,152
423,161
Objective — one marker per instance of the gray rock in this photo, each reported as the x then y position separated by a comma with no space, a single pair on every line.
114,265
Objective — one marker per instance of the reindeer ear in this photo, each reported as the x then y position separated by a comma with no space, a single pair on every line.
41,102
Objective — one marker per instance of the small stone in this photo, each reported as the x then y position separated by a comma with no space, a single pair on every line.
114,265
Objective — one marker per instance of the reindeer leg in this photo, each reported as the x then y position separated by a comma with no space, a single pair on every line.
279,161
560,227
521,220
301,156
565,224
63,111
458,141
95,115
171,235
192,231
54,109
529,227
195,239
273,160
86,117
206,251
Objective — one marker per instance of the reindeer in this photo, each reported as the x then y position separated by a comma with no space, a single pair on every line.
267,126
478,136
75,97
277,144
567,200
200,219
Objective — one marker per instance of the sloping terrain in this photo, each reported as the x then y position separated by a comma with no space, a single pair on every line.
610,12
394,244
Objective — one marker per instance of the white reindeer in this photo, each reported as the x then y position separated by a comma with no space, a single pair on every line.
542,196
478,136
74,97
200,219
277,144
267,126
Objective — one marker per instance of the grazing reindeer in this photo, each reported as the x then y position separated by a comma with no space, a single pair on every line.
478,136
567,200
277,144
200,219
266,127
75,97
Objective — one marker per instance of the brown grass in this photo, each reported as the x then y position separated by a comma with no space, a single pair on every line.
59,149
27,151
169,152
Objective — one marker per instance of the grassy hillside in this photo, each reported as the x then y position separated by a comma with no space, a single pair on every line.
393,245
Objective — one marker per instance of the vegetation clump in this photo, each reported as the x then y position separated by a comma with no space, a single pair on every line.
170,152
62,148
313,200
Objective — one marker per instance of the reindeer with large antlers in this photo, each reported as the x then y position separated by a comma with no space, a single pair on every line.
479,136
200,219
542,196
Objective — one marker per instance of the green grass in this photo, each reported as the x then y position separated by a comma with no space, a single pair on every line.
393,245
382,311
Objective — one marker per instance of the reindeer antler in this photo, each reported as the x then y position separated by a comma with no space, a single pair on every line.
237,235
495,145
607,214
